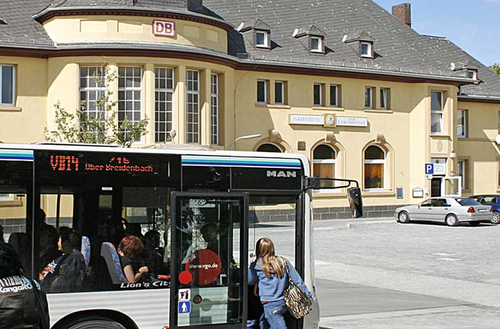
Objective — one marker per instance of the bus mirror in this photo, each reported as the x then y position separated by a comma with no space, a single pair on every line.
355,201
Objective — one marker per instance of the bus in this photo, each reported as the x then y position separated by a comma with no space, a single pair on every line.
197,214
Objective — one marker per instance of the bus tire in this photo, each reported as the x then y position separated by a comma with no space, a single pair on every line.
95,323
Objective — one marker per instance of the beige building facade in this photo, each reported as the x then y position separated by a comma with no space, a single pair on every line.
208,79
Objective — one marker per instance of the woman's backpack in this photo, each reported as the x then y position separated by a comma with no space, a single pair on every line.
296,300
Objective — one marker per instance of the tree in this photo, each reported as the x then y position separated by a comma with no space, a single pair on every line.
495,68
100,126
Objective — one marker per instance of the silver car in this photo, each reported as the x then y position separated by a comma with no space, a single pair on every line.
450,210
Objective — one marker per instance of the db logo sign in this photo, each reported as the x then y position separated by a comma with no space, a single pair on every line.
164,28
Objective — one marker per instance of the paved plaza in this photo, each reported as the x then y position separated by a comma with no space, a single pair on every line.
379,274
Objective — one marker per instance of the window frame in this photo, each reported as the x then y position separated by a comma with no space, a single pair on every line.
337,95
266,43
13,87
383,162
464,124
325,161
124,89
165,90
283,92
474,74
371,92
369,48
463,165
438,112
321,45
214,109
88,89
385,94
194,136
266,82
321,94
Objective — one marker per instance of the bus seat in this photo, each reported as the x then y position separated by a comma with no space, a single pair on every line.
108,252
86,249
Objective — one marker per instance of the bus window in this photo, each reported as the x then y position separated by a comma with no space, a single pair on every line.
15,186
96,221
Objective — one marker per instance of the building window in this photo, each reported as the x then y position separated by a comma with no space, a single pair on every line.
499,123
193,107
93,91
164,103
335,95
374,168
385,98
215,109
7,85
317,45
436,112
268,147
369,97
129,94
280,92
463,118
463,167
262,39
324,160
319,94
472,74
262,91
366,49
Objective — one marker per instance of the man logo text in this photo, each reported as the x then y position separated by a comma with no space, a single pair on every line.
283,174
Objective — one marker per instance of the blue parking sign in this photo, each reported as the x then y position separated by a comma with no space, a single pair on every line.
429,168
184,307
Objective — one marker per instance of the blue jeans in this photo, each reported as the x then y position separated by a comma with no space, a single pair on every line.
272,318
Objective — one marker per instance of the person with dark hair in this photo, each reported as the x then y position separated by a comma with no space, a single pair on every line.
153,254
22,303
66,273
130,247
48,245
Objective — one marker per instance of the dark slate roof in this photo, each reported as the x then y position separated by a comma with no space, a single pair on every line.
21,30
398,48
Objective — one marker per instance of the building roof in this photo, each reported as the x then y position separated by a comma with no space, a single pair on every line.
398,48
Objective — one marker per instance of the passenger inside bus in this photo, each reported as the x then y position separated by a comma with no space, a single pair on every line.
130,247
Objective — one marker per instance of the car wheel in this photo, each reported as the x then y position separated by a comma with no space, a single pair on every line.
451,220
474,223
95,323
403,217
496,218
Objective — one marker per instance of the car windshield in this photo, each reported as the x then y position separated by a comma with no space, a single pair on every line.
467,202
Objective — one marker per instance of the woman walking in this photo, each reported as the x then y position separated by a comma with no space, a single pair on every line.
22,303
270,271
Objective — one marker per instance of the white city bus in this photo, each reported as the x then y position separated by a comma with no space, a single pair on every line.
198,213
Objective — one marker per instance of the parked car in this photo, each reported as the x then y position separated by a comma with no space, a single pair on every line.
451,210
490,200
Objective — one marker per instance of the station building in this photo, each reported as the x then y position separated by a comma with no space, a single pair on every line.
344,82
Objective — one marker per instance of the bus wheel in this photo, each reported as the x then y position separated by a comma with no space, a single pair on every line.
95,324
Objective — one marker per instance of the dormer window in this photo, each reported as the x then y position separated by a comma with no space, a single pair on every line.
366,49
472,74
317,44
261,39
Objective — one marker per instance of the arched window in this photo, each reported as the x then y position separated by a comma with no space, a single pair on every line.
269,148
324,159
374,168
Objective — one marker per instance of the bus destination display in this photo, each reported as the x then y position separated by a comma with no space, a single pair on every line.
142,169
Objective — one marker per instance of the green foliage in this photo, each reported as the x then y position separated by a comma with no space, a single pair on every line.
101,127
495,68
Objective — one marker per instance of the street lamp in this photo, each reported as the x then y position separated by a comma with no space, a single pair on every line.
243,137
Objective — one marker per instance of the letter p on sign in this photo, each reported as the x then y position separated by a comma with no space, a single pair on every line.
164,28
429,168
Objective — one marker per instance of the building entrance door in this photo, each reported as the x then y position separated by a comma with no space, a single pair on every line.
436,187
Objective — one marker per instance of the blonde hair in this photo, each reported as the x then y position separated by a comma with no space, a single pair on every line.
271,264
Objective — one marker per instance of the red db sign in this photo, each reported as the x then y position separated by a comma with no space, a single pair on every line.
164,28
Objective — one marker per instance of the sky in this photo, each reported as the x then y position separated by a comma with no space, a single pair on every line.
473,25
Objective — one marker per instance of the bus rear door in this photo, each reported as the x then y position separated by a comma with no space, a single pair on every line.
209,260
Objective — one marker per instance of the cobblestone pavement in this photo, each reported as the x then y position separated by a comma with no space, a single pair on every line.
381,274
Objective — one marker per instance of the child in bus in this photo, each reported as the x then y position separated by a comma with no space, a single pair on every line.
130,247
269,271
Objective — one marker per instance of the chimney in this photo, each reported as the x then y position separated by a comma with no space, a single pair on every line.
403,13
